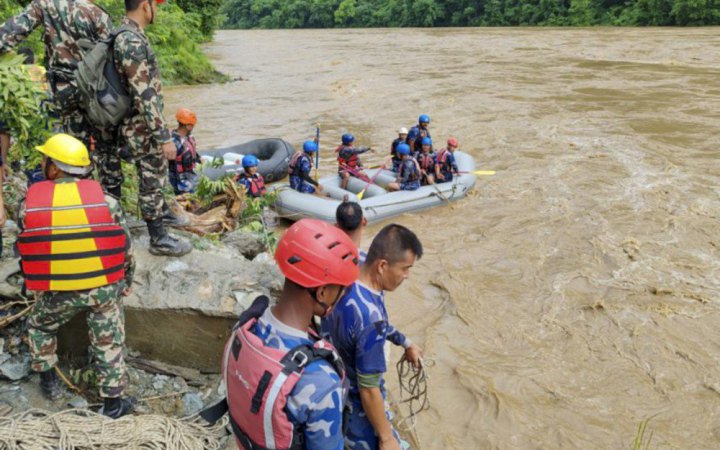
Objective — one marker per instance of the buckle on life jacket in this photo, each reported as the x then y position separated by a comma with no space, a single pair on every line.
300,358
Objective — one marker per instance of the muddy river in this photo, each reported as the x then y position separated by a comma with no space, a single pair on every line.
577,292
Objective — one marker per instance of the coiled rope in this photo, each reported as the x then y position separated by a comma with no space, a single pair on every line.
413,391
83,429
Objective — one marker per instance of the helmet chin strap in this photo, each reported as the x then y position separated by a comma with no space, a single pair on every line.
326,308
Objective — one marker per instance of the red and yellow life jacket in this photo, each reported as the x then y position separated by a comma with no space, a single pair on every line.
347,158
186,158
70,240
254,183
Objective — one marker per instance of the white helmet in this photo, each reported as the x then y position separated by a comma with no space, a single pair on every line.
403,130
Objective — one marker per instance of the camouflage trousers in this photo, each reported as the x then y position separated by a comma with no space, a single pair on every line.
152,169
106,323
103,148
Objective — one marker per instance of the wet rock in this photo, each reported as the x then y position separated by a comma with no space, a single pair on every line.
247,244
78,402
159,382
15,367
192,403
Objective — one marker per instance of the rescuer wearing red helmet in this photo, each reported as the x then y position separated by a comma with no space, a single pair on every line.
284,383
446,165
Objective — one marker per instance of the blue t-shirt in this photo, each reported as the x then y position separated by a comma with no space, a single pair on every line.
317,399
358,328
362,256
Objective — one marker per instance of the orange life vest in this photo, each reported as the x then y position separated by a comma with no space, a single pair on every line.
70,241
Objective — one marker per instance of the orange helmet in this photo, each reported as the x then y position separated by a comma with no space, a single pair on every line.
186,117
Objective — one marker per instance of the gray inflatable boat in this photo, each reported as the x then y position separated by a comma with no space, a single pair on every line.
274,155
378,204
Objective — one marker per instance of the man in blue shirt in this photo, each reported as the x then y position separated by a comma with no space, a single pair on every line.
358,328
418,132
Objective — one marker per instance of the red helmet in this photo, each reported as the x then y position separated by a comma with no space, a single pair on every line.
313,253
453,141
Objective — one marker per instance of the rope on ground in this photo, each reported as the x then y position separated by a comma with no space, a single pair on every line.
79,428
413,390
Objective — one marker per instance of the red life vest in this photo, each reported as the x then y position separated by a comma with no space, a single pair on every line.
259,380
183,163
426,160
256,183
70,240
352,161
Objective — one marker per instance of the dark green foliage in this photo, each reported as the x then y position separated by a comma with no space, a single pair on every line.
452,13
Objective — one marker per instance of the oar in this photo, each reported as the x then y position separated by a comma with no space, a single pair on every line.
372,180
317,153
478,172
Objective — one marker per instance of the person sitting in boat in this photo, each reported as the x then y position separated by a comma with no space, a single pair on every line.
418,132
181,171
300,167
409,173
446,166
253,181
349,218
426,160
402,137
349,163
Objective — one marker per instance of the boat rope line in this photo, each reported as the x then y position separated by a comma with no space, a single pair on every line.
413,390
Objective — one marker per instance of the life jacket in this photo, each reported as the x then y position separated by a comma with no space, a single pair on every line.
414,175
70,240
256,183
426,161
294,166
186,158
420,134
259,380
344,160
442,160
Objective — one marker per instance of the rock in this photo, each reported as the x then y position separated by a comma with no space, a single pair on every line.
247,244
176,266
159,382
16,367
78,402
192,403
262,258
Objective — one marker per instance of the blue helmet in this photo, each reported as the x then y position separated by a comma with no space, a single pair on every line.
424,118
310,146
403,149
249,161
426,141
347,139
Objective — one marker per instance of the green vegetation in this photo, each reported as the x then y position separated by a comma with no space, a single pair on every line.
458,13
179,29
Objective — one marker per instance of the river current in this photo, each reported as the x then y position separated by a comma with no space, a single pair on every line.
575,293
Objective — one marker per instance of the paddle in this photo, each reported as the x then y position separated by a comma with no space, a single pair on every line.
478,172
317,153
372,180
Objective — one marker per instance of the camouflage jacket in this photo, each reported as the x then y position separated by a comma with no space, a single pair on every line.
138,67
65,22
118,216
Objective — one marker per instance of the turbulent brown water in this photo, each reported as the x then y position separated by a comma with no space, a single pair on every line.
576,293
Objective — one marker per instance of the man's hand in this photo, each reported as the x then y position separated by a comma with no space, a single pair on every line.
440,176
169,150
319,188
126,292
389,444
414,354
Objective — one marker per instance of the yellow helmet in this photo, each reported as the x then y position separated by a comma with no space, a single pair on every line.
69,152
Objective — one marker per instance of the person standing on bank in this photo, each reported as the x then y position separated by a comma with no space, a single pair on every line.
76,256
358,328
182,169
145,131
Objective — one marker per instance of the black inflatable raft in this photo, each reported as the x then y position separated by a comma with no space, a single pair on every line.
274,155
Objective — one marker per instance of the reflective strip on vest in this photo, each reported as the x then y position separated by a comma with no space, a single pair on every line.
70,240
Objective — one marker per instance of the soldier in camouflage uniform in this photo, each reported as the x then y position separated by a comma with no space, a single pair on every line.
66,23
65,162
145,131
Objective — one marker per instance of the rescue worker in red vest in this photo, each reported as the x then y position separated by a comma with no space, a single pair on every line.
300,167
446,165
349,163
409,172
284,383
76,257
426,160
182,169
253,181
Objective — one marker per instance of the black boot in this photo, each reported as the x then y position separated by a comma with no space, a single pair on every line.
117,407
170,219
51,385
162,244
115,191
